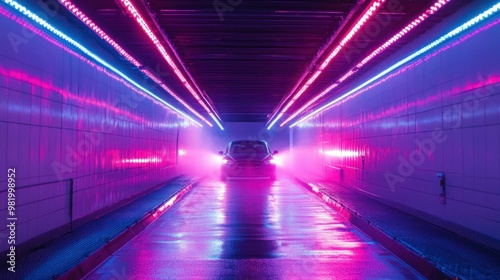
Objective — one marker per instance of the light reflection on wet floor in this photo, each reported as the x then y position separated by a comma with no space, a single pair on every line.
252,229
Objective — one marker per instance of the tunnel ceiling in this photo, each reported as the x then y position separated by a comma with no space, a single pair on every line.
247,56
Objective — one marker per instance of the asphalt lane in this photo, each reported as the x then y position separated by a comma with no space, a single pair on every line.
252,229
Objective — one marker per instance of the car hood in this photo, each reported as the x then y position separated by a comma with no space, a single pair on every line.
249,157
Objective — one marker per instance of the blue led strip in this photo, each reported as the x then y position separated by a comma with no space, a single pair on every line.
216,121
275,120
482,16
74,43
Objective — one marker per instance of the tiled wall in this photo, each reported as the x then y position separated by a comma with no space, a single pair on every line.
440,115
63,117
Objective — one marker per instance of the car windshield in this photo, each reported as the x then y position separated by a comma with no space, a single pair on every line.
248,147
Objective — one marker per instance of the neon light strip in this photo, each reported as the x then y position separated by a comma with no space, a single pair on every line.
275,120
85,19
431,10
39,83
66,38
375,5
145,27
482,16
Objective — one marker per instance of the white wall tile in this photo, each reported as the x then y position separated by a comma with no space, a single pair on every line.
47,111
446,94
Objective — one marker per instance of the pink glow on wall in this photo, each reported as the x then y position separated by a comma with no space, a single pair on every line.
49,89
340,153
142,160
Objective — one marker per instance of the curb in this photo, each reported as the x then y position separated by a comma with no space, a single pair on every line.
414,259
99,256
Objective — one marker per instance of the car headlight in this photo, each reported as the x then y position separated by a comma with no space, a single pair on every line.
270,161
227,161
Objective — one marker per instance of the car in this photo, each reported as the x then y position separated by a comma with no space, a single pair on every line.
248,158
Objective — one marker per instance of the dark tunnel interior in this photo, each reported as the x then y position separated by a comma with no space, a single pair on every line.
237,139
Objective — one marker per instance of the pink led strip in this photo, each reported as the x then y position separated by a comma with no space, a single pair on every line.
375,5
101,69
140,20
432,9
85,19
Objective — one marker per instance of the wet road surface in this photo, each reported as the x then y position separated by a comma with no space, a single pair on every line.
252,229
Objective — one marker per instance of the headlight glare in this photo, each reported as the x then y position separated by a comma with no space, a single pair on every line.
270,161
